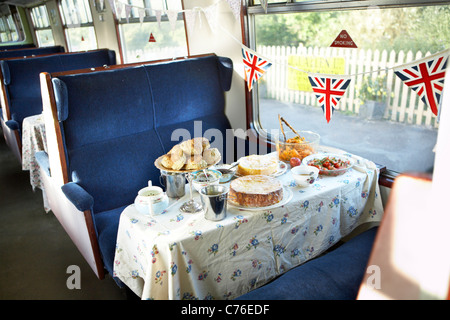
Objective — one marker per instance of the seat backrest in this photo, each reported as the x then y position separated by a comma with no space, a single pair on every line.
16,53
21,77
118,127
17,46
199,95
109,133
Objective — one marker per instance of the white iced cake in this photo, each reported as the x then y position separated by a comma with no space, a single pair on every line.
257,165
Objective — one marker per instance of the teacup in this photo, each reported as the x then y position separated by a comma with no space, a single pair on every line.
304,176
151,200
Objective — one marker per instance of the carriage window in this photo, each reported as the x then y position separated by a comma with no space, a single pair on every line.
378,117
42,27
11,28
8,30
4,32
151,30
79,28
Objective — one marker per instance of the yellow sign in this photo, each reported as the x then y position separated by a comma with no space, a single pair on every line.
298,80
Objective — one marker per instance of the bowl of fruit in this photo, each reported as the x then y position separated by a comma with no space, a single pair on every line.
293,147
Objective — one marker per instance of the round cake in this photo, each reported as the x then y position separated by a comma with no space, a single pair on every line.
255,191
257,165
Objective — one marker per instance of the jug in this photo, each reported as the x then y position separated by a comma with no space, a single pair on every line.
214,201
174,182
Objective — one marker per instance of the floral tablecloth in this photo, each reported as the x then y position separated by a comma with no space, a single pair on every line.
34,140
185,256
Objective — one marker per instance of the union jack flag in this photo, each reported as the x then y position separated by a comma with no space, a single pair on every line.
328,89
426,77
254,66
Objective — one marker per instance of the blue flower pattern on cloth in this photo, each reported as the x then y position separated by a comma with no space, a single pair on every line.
184,256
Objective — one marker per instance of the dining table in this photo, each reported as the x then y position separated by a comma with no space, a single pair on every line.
177,255
34,140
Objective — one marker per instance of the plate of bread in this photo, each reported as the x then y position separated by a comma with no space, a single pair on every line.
189,155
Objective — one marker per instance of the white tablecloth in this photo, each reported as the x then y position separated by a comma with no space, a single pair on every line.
184,256
34,140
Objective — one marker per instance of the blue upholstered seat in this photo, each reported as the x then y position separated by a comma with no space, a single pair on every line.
17,46
107,223
23,90
123,121
21,77
336,275
23,51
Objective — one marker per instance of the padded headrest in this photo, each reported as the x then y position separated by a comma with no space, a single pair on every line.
61,98
225,72
5,72
112,57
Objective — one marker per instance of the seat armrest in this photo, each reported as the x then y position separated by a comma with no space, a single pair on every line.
12,124
43,162
79,197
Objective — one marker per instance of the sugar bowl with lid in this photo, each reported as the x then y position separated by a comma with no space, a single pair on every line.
151,200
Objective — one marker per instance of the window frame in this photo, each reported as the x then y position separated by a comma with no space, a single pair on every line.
133,18
254,8
66,26
37,28
11,19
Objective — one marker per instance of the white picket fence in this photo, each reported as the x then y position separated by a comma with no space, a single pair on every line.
404,105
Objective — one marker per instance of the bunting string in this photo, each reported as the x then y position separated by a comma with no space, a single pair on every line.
117,7
211,11
425,76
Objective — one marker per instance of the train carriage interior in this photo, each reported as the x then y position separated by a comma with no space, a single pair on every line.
242,150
